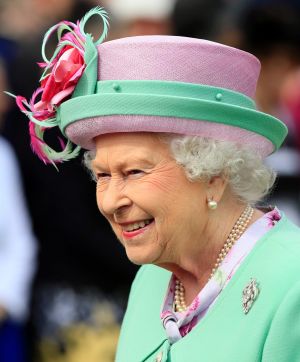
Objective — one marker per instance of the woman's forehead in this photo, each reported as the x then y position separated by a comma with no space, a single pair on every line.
126,138
130,147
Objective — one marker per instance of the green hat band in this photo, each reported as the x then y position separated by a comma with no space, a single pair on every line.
172,99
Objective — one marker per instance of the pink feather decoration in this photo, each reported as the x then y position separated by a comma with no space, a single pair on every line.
61,75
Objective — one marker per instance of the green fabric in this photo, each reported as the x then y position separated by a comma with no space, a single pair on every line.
190,101
88,80
270,332
175,89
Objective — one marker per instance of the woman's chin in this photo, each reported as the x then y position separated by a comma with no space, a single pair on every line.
140,257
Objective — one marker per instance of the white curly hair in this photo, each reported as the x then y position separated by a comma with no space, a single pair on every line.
203,158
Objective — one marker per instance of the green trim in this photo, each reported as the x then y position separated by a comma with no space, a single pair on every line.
88,81
118,103
176,89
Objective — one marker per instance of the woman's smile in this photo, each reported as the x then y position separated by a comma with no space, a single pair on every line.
132,230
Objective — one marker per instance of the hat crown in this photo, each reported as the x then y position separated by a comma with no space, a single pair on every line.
181,59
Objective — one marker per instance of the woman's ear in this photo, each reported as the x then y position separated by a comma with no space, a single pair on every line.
216,187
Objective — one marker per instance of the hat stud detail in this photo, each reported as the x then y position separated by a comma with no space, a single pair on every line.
219,96
250,294
116,87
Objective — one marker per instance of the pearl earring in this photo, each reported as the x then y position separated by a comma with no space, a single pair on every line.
212,204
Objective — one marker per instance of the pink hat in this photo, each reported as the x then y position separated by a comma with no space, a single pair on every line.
150,84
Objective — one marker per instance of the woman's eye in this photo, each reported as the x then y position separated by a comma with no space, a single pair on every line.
134,172
102,176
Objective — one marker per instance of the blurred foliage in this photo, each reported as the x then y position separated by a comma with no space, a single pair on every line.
84,342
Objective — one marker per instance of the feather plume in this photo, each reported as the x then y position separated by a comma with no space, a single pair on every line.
41,109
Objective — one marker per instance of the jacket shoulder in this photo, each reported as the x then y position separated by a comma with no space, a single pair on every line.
286,242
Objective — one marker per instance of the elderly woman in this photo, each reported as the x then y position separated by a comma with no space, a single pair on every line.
177,149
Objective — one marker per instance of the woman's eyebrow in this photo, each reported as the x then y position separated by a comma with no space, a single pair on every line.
141,162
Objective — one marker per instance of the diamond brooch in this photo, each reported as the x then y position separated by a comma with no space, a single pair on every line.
250,294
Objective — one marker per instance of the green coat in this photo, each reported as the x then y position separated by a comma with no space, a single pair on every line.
270,332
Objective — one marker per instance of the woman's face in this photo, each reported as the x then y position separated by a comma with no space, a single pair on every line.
154,210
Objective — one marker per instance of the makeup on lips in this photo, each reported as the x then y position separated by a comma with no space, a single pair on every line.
130,230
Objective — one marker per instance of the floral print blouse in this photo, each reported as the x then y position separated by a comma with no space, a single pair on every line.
179,324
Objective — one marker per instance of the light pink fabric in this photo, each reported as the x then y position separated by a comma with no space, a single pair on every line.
179,59
83,132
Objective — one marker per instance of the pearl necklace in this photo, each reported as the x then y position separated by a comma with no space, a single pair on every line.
238,229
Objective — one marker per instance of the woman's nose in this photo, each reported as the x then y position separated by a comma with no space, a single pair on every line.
114,197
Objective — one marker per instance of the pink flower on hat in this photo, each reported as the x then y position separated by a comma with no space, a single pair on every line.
57,84
61,75
61,82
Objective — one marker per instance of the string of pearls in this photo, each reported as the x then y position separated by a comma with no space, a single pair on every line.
179,299
238,229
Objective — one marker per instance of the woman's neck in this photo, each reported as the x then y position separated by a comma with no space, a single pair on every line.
195,263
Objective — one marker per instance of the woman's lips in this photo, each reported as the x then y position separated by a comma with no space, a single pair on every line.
133,233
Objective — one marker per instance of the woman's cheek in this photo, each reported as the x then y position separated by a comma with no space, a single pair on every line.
156,183
99,196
